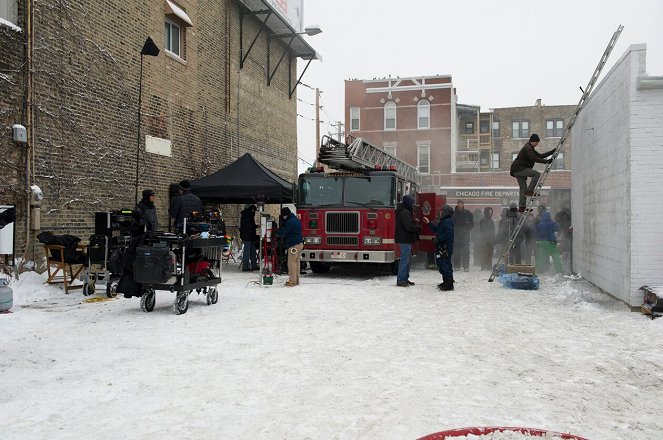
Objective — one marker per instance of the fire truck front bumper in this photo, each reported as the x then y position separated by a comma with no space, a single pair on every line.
348,256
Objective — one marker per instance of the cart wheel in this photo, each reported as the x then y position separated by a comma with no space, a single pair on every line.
147,301
111,290
212,296
181,304
88,289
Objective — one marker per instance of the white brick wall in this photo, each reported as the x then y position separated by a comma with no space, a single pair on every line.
617,188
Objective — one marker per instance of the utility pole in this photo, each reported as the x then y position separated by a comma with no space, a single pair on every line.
317,125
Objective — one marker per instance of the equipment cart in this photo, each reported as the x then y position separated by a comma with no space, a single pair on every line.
180,264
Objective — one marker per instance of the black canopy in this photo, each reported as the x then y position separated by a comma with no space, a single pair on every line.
244,181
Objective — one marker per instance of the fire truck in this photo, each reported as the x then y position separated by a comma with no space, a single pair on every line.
348,215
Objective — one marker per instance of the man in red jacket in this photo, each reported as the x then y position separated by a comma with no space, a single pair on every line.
522,168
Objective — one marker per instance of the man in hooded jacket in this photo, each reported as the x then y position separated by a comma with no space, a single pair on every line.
444,247
148,212
407,232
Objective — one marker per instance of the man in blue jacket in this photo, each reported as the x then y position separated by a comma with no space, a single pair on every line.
444,247
291,231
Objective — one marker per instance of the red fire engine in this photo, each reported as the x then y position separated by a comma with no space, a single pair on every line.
348,216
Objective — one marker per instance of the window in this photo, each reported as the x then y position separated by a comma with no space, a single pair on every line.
559,162
496,161
390,149
469,128
9,10
496,129
354,118
423,114
173,38
554,127
483,126
423,158
390,116
520,129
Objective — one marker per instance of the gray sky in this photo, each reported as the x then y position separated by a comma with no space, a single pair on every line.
500,53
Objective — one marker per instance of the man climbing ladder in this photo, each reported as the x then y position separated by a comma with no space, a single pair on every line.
523,167
555,152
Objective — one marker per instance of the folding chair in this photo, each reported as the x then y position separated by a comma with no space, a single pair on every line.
61,271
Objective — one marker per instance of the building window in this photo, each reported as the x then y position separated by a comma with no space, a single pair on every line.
469,128
9,10
483,126
496,161
520,130
423,158
496,129
390,116
390,149
423,114
354,118
173,41
554,127
559,162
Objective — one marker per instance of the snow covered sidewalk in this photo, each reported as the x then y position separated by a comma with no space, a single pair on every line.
345,355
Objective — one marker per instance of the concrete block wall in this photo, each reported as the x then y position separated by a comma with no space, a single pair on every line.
613,195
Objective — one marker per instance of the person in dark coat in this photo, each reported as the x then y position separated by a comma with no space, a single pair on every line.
563,219
444,247
513,219
546,243
293,240
148,212
463,224
184,204
487,239
406,233
502,231
247,233
476,237
522,168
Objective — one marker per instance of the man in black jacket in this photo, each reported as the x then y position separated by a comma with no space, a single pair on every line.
522,168
463,221
186,203
247,232
407,232
148,212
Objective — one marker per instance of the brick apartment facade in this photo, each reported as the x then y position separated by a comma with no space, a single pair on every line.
83,93
460,151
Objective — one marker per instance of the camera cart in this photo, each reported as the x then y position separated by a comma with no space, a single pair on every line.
113,232
180,264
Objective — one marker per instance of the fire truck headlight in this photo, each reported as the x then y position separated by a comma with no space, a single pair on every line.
312,240
372,241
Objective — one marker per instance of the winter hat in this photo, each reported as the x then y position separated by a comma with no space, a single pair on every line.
534,138
285,212
185,185
408,201
147,193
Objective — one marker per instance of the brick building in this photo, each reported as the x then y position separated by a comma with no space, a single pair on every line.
223,84
459,150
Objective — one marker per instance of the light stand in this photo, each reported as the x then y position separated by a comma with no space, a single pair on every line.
150,49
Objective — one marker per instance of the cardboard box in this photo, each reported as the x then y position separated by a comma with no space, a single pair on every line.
520,268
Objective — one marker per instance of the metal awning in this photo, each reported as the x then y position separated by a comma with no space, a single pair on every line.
172,8
280,27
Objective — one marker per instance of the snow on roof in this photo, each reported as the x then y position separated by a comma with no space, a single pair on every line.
10,25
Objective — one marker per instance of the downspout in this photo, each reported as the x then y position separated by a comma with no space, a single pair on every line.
29,123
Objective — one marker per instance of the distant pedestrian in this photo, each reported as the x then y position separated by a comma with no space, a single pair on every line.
185,204
291,231
444,247
486,239
476,237
546,243
522,168
247,233
406,234
148,211
463,224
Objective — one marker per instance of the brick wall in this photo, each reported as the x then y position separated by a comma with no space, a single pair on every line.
87,64
616,183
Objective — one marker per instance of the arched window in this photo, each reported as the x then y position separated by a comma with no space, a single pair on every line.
390,116
423,114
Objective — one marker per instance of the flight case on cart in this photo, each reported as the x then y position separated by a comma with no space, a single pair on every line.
178,263
113,232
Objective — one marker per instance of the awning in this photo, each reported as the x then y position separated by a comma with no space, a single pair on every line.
173,9
279,26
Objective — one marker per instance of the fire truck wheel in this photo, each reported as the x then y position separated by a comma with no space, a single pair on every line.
394,267
318,267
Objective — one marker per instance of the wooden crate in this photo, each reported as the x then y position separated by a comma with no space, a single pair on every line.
520,268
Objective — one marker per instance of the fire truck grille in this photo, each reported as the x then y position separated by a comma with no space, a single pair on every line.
343,241
342,222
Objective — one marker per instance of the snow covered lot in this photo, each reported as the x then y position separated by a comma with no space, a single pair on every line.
345,355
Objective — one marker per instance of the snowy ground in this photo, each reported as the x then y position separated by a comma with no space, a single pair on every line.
345,355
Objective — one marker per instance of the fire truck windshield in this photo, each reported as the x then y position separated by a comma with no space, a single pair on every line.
374,191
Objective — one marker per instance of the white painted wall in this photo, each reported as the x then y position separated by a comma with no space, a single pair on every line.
617,188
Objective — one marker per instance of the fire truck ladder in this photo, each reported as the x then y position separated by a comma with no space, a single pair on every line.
559,148
359,155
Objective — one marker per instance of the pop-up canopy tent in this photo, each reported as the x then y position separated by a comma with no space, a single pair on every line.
244,181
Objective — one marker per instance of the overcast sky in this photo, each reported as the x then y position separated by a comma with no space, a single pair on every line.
503,53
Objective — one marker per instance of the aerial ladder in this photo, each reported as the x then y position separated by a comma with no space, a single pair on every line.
559,149
359,155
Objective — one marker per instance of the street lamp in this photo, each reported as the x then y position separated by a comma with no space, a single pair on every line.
312,30
150,49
